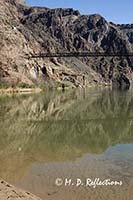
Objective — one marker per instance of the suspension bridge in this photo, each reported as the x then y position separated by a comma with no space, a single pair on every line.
80,54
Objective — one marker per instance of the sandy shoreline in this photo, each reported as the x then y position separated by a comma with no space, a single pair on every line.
9,192
19,90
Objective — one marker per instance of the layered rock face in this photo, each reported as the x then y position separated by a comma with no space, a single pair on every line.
28,30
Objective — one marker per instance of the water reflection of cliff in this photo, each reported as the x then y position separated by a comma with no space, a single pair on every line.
59,127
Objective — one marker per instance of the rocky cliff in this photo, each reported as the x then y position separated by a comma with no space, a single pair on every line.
28,30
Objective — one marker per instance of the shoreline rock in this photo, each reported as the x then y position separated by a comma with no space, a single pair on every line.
9,192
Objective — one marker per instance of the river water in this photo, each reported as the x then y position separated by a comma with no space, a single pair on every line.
53,138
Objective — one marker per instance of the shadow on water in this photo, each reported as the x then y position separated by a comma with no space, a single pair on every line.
61,127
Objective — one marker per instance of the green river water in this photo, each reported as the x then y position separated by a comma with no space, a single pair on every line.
83,134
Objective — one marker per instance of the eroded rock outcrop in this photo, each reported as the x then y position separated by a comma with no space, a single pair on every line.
29,30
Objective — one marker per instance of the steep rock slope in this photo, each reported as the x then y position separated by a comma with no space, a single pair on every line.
28,30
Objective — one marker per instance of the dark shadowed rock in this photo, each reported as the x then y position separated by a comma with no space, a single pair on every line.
121,82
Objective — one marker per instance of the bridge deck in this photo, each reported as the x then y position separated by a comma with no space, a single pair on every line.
81,54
